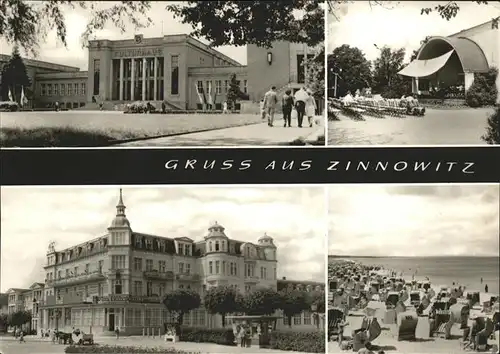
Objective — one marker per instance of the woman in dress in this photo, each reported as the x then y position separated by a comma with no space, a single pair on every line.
310,107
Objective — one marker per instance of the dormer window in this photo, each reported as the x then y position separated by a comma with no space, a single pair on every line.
149,244
162,246
138,242
216,246
79,250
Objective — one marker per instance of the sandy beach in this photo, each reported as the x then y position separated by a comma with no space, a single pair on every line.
423,343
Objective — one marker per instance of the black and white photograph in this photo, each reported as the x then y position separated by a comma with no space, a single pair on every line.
413,269
413,73
163,269
152,73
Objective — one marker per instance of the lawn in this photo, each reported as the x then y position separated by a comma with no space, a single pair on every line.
463,126
95,128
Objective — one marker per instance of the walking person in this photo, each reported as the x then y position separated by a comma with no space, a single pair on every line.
262,109
301,97
270,102
310,107
21,337
287,106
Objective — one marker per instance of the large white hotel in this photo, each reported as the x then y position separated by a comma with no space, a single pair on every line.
118,279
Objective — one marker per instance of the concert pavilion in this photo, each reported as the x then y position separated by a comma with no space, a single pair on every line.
176,69
454,60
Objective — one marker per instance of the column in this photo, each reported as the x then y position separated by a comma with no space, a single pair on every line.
155,75
144,79
132,77
468,80
111,74
121,79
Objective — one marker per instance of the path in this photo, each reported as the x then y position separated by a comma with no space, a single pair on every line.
250,135
36,345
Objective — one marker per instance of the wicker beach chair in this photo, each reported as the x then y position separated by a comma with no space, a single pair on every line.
336,324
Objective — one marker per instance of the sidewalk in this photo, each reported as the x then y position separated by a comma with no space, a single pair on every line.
250,135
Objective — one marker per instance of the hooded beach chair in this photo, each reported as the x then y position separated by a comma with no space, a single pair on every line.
335,324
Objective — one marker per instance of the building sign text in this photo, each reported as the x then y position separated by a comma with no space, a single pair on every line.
144,52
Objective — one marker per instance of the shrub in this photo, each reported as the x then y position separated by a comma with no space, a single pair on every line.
9,106
122,349
200,335
309,342
492,135
483,91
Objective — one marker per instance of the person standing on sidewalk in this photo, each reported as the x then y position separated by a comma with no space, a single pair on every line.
287,106
270,102
310,107
117,332
301,97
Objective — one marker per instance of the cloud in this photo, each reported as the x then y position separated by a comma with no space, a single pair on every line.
163,23
399,24
32,217
414,220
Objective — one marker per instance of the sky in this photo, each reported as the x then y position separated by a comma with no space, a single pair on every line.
414,220
31,218
77,19
399,24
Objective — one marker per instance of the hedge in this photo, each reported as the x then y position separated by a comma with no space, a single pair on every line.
309,342
122,349
200,335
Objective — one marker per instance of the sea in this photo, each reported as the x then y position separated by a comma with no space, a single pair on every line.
442,271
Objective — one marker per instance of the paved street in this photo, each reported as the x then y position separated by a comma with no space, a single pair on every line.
438,127
250,135
36,345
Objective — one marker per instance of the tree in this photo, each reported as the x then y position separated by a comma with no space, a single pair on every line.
446,11
180,302
234,92
352,68
4,322
27,23
254,22
492,135
317,304
222,300
316,73
292,303
14,77
261,302
386,80
19,318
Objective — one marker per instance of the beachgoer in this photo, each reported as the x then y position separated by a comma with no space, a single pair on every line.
287,106
270,102
21,337
117,332
486,288
481,280
163,107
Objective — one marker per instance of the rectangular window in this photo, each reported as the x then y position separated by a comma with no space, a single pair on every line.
75,86
210,267
49,89
224,267
297,319
149,288
218,86
43,90
117,262
226,86
245,86
138,264
181,268
174,88
63,89
56,89
97,76
217,267
307,318
188,268
87,268
149,265
162,266
199,85
117,284
138,288
82,88
70,90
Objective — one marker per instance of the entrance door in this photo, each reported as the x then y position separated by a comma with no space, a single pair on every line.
111,322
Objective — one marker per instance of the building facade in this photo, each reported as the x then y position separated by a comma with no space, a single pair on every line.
27,300
176,69
119,278
456,59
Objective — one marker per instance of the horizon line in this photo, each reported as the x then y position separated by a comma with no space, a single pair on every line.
421,256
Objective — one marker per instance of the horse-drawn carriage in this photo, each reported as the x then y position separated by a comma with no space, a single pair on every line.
81,338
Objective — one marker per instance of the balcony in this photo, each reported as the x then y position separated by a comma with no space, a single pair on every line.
124,298
66,299
76,279
156,275
188,277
